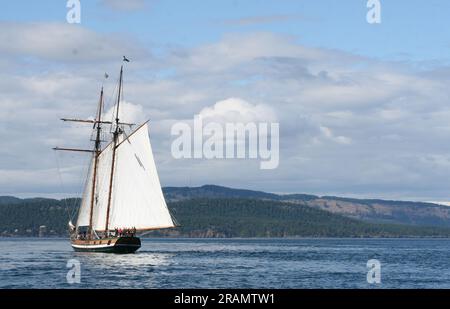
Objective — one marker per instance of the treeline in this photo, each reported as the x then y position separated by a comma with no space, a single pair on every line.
215,217
261,218
25,217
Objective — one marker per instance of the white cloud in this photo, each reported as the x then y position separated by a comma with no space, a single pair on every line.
238,110
331,136
236,49
382,127
128,113
63,42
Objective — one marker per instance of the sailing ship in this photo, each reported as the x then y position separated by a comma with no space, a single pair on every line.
122,197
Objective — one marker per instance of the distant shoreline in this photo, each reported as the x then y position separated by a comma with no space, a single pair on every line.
241,238
212,212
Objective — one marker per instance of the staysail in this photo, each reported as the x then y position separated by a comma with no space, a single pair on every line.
84,211
136,196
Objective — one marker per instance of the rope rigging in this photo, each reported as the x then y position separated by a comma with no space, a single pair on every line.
70,204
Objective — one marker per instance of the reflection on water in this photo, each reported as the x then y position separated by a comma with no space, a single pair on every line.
230,263
119,270
139,259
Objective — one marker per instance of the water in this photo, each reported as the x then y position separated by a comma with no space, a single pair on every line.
230,263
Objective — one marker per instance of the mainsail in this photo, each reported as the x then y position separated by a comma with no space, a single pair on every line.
136,196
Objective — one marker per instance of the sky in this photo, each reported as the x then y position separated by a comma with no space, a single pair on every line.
363,108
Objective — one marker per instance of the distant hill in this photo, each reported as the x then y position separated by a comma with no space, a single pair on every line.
378,211
212,191
237,217
213,211
9,200
24,217
414,213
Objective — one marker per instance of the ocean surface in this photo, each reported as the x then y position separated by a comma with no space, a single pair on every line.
228,263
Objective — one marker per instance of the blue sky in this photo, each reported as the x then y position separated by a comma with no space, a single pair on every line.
410,30
363,109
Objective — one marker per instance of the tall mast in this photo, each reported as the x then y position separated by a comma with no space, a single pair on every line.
97,150
116,133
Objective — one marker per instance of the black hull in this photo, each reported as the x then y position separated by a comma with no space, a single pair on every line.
121,245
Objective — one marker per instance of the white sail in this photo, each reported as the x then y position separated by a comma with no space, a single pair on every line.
138,200
84,212
101,192
102,188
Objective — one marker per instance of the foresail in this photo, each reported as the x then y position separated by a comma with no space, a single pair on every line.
101,192
102,188
85,208
138,200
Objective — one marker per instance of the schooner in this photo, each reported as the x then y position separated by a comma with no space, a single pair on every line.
122,197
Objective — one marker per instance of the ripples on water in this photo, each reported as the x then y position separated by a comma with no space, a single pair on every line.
230,263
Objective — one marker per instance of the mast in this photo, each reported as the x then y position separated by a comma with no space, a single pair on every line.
116,133
97,151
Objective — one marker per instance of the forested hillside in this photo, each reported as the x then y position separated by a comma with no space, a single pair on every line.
213,217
